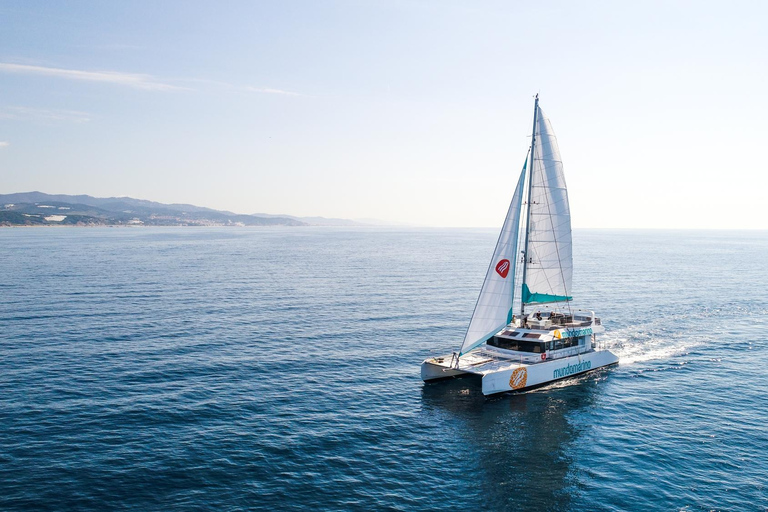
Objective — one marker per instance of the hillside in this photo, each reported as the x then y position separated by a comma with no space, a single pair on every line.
40,209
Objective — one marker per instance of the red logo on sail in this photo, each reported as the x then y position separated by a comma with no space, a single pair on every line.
502,268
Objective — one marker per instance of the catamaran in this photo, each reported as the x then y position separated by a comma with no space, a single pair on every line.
548,339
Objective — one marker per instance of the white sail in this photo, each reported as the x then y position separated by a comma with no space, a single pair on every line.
494,305
549,260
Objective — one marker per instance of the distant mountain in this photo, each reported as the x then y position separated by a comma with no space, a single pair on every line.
38,208
379,222
315,221
330,221
106,203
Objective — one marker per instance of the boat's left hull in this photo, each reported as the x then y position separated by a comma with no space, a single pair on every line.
431,370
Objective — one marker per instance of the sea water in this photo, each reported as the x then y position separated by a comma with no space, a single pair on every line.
278,369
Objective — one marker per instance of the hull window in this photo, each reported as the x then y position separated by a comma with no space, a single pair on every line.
568,342
536,347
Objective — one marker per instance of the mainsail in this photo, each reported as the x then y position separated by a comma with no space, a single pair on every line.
548,255
494,305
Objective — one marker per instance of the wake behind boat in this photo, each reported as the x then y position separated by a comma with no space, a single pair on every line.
548,340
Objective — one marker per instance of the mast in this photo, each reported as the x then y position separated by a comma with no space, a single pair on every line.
528,213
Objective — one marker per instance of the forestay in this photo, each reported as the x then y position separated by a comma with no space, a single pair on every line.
549,259
494,305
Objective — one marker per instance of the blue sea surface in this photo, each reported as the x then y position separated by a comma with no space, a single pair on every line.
278,369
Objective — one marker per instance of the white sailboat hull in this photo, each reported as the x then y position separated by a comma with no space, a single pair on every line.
500,375
433,371
533,375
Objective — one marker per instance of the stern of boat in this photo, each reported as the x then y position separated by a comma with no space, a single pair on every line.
441,367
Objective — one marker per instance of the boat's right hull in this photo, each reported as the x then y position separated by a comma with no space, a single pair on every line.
533,375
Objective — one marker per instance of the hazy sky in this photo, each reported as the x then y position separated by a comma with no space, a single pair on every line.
416,112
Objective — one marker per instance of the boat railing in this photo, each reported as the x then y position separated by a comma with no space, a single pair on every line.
566,322
554,318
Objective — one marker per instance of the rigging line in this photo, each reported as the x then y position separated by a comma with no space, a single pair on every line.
526,244
541,174
552,225
557,248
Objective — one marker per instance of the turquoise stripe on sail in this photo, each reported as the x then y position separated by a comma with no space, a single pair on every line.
541,298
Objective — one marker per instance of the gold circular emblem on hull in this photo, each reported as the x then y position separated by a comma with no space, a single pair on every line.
518,378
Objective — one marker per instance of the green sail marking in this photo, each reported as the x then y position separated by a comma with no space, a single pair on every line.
541,298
